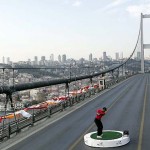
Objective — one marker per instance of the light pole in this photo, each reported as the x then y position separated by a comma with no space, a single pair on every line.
75,70
70,71
74,64
75,79
91,69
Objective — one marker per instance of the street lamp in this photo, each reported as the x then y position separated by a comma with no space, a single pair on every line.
70,71
75,70
91,66
74,64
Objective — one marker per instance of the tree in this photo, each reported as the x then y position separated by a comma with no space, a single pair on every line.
41,97
34,102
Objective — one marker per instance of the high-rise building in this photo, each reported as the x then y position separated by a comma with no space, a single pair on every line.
64,58
8,60
29,61
104,56
3,60
117,56
52,57
35,60
81,60
121,55
59,58
90,57
95,60
42,58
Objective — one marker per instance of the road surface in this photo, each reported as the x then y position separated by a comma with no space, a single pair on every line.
128,109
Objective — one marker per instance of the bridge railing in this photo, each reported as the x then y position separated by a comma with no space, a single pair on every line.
16,126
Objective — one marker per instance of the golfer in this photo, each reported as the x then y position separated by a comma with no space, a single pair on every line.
99,114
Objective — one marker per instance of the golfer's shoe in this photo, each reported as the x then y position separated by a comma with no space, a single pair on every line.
99,136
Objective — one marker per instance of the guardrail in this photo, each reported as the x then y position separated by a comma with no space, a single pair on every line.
16,126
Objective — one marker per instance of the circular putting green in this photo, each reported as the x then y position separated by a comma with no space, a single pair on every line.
110,138
107,135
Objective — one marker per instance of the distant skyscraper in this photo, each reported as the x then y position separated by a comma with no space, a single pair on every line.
81,60
52,57
42,62
35,60
90,57
29,61
95,60
59,58
104,56
8,60
121,55
42,58
3,60
117,56
64,58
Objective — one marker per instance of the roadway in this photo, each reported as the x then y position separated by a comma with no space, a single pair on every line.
128,105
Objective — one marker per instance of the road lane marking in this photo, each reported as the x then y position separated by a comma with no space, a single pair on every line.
92,125
60,117
142,120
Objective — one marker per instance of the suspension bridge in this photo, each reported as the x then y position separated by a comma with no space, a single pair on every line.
126,96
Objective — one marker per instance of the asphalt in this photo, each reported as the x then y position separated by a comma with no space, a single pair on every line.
128,105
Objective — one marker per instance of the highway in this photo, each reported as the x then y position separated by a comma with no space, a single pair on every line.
128,106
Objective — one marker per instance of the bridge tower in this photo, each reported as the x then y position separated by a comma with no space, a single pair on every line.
143,46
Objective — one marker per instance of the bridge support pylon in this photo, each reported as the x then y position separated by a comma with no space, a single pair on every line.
143,46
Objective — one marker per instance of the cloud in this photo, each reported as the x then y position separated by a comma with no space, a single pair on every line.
77,3
114,4
136,10
113,8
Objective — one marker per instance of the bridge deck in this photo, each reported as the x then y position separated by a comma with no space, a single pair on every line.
128,104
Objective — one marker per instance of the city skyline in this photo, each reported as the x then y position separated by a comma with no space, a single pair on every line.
59,58
72,27
64,59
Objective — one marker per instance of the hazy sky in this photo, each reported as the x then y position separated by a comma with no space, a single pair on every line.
76,28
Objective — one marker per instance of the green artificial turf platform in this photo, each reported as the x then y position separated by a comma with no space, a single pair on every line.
107,135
